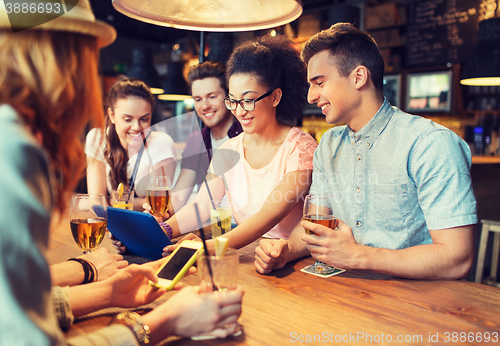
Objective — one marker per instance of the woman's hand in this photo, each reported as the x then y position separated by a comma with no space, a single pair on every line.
118,245
130,287
192,313
106,263
147,209
167,250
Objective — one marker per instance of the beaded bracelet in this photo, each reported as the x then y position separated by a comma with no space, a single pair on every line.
89,270
167,228
133,321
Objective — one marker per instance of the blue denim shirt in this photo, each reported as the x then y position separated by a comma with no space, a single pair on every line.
395,179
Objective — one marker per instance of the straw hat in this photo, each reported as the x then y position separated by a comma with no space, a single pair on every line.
78,19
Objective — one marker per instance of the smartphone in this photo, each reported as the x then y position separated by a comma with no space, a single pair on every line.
183,257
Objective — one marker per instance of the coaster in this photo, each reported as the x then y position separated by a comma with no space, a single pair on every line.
203,337
210,337
310,271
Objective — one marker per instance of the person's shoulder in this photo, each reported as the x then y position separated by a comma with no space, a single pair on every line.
13,132
416,126
414,123
232,143
94,134
18,146
298,136
160,137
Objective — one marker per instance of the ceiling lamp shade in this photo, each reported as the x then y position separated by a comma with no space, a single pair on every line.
483,66
142,68
212,15
175,87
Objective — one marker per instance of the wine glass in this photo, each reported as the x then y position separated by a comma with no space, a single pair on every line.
318,208
158,194
88,215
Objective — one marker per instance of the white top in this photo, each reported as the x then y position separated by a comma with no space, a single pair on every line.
216,143
160,146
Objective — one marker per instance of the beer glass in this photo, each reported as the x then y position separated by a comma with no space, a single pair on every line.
158,194
88,220
318,208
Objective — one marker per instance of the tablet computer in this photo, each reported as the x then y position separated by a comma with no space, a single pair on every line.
138,231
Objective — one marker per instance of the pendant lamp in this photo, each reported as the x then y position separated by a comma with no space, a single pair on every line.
212,15
483,67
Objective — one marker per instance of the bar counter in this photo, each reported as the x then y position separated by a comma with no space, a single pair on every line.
355,307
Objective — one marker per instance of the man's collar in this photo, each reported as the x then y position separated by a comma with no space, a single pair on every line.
370,132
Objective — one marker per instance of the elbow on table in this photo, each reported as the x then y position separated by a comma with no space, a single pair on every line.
461,268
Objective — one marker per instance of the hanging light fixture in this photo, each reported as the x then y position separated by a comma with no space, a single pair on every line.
143,68
208,15
175,87
212,15
483,67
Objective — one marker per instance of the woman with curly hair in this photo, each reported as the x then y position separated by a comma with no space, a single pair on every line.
266,171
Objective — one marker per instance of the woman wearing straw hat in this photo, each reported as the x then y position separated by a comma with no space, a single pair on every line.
49,90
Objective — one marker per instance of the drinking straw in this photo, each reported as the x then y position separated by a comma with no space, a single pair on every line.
208,189
207,254
144,141
219,222
137,163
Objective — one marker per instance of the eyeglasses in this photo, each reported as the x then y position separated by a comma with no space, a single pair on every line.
247,104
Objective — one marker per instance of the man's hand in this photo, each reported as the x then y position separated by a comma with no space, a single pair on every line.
337,248
271,254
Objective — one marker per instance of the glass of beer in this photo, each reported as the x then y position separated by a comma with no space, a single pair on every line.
158,194
220,218
88,220
318,208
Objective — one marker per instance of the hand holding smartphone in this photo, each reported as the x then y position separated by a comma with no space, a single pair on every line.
177,265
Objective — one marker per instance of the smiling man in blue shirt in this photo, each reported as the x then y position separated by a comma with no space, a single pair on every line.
401,183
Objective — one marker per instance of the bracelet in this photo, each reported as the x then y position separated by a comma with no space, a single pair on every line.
167,228
133,321
96,273
89,270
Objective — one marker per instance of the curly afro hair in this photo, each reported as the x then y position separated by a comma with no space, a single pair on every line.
277,64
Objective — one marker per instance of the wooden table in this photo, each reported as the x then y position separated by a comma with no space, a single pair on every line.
356,307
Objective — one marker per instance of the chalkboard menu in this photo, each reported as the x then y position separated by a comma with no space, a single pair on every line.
441,31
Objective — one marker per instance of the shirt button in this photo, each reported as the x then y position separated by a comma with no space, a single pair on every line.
358,223
359,157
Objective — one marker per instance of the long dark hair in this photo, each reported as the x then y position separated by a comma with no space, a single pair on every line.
277,64
115,154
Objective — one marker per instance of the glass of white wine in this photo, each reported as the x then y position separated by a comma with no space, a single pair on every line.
88,215
158,194
318,208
